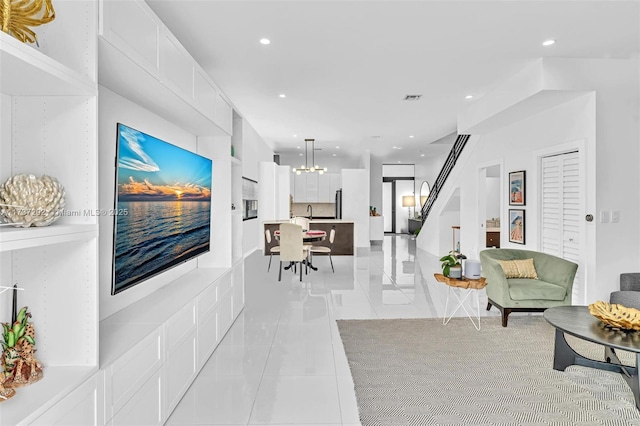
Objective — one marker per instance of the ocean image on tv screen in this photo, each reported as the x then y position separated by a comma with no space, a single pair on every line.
163,205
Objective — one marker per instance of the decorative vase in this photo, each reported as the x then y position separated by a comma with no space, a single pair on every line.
455,272
26,200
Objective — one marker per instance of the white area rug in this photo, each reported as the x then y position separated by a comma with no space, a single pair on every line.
420,372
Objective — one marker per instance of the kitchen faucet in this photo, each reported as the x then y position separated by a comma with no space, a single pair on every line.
310,211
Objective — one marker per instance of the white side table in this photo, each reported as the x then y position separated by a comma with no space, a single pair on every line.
462,290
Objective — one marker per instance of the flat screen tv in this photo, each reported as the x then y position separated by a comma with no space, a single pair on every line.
162,207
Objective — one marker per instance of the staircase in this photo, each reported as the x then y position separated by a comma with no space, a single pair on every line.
456,150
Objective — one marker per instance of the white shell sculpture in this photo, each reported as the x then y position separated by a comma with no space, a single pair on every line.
26,200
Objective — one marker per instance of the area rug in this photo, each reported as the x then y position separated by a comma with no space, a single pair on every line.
421,372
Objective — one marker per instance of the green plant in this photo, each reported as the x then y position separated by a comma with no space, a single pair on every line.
451,260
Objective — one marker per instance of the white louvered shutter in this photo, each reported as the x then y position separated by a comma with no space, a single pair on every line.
561,211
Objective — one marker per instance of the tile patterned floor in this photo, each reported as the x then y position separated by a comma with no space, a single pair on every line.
282,362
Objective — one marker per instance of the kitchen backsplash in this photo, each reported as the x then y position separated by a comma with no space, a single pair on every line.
319,209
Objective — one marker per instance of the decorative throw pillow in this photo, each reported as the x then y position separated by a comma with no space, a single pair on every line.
519,268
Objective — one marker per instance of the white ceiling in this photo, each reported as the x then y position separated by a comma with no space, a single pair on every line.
345,66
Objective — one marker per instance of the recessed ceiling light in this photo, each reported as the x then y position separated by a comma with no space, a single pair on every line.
411,136
295,136
265,41
337,147
397,147
334,155
298,147
468,97
282,95
399,161
300,155
421,155
548,42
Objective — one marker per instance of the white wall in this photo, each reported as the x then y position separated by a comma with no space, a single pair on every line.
254,151
605,123
113,109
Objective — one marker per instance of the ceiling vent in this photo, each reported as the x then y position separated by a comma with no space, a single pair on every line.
412,97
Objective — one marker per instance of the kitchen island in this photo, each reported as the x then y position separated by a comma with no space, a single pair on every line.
342,245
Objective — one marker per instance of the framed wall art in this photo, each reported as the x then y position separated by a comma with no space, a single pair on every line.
516,226
517,188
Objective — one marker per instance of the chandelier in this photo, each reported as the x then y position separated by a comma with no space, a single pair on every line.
305,167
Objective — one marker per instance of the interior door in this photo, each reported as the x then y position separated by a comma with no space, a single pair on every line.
561,207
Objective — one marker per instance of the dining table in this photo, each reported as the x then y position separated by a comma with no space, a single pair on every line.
308,236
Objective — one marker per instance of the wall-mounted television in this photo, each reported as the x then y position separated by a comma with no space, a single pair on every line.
162,207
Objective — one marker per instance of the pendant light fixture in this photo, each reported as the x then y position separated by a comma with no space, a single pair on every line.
305,167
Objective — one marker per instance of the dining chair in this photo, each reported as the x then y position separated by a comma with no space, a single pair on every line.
291,247
302,221
273,250
324,249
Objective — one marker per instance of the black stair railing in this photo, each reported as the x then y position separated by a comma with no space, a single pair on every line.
454,154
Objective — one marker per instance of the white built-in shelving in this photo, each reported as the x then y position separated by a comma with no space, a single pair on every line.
48,125
151,350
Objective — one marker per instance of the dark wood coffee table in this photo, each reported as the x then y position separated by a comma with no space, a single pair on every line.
578,322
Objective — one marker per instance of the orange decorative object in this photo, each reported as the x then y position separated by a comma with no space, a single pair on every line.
16,16
616,316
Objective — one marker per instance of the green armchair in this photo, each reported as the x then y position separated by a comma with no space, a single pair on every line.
552,288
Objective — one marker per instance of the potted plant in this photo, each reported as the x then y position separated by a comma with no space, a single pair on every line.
452,264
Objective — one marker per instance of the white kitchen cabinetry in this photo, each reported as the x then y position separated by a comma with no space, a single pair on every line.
48,125
315,187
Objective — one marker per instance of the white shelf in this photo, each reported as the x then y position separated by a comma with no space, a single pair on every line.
32,401
235,161
12,238
28,72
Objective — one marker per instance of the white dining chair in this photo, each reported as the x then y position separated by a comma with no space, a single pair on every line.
325,249
302,221
273,250
291,246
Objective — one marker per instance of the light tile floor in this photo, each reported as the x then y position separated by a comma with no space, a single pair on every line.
282,362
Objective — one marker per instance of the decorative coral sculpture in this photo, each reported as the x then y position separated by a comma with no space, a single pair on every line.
26,200
16,16
20,365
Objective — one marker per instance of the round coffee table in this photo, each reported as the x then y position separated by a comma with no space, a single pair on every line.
578,322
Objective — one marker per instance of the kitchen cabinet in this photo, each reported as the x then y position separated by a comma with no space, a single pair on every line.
493,239
315,187
342,245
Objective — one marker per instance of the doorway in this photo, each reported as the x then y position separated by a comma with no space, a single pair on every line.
396,217
489,205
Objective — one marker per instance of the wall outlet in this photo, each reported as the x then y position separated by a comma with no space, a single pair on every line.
615,216
604,216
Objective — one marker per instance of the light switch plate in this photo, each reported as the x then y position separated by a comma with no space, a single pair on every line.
615,216
604,216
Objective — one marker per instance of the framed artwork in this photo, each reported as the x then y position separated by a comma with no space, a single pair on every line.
516,226
517,188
